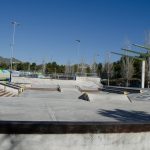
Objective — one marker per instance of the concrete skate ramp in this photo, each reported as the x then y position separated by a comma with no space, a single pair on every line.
95,80
91,97
63,93
87,86
69,93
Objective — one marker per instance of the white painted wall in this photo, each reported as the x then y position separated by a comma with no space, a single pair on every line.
123,141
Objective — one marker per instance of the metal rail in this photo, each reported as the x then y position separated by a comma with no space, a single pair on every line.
122,90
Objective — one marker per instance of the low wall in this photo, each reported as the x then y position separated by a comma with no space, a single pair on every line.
21,135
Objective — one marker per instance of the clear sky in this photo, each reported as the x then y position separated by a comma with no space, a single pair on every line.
49,28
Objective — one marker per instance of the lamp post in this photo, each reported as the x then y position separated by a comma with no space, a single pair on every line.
78,47
14,23
108,68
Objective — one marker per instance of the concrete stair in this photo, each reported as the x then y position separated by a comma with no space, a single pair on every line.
6,94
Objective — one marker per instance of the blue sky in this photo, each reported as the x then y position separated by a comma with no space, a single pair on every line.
49,28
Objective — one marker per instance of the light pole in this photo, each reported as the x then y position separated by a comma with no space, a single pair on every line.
108,67
14,23
78,47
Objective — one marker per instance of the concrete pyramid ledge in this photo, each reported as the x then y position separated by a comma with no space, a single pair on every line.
85,97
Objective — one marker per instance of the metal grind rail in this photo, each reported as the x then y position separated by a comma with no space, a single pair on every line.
55,127
13,86
121,90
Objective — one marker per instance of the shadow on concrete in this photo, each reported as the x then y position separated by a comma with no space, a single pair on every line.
126,116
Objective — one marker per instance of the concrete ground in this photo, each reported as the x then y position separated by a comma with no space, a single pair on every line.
71,109
130,141
35,105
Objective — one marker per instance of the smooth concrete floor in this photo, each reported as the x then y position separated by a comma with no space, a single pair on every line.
65,106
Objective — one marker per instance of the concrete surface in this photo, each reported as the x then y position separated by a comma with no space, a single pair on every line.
93,97
123,141
66,106
38,105
63,107
95,80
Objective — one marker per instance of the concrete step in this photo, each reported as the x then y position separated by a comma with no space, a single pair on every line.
6,94
2,91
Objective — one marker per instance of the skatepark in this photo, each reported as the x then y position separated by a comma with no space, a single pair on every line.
77,111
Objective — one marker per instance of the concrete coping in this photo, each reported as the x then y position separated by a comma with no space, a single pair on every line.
46,127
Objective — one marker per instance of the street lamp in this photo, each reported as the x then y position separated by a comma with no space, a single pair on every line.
78,53
108,68
14,23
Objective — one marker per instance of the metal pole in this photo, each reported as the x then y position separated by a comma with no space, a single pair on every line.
108,68
143,75
13,42
148,70
12,46
78,47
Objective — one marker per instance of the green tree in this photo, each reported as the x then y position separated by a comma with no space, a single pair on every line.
99,69
33,67
4,65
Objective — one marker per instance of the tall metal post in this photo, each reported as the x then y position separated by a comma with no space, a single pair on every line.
143,75
78,48
14,23
108,68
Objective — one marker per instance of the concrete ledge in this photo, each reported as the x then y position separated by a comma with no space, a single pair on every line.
37,127
44,89
24,85
118,89
91,90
